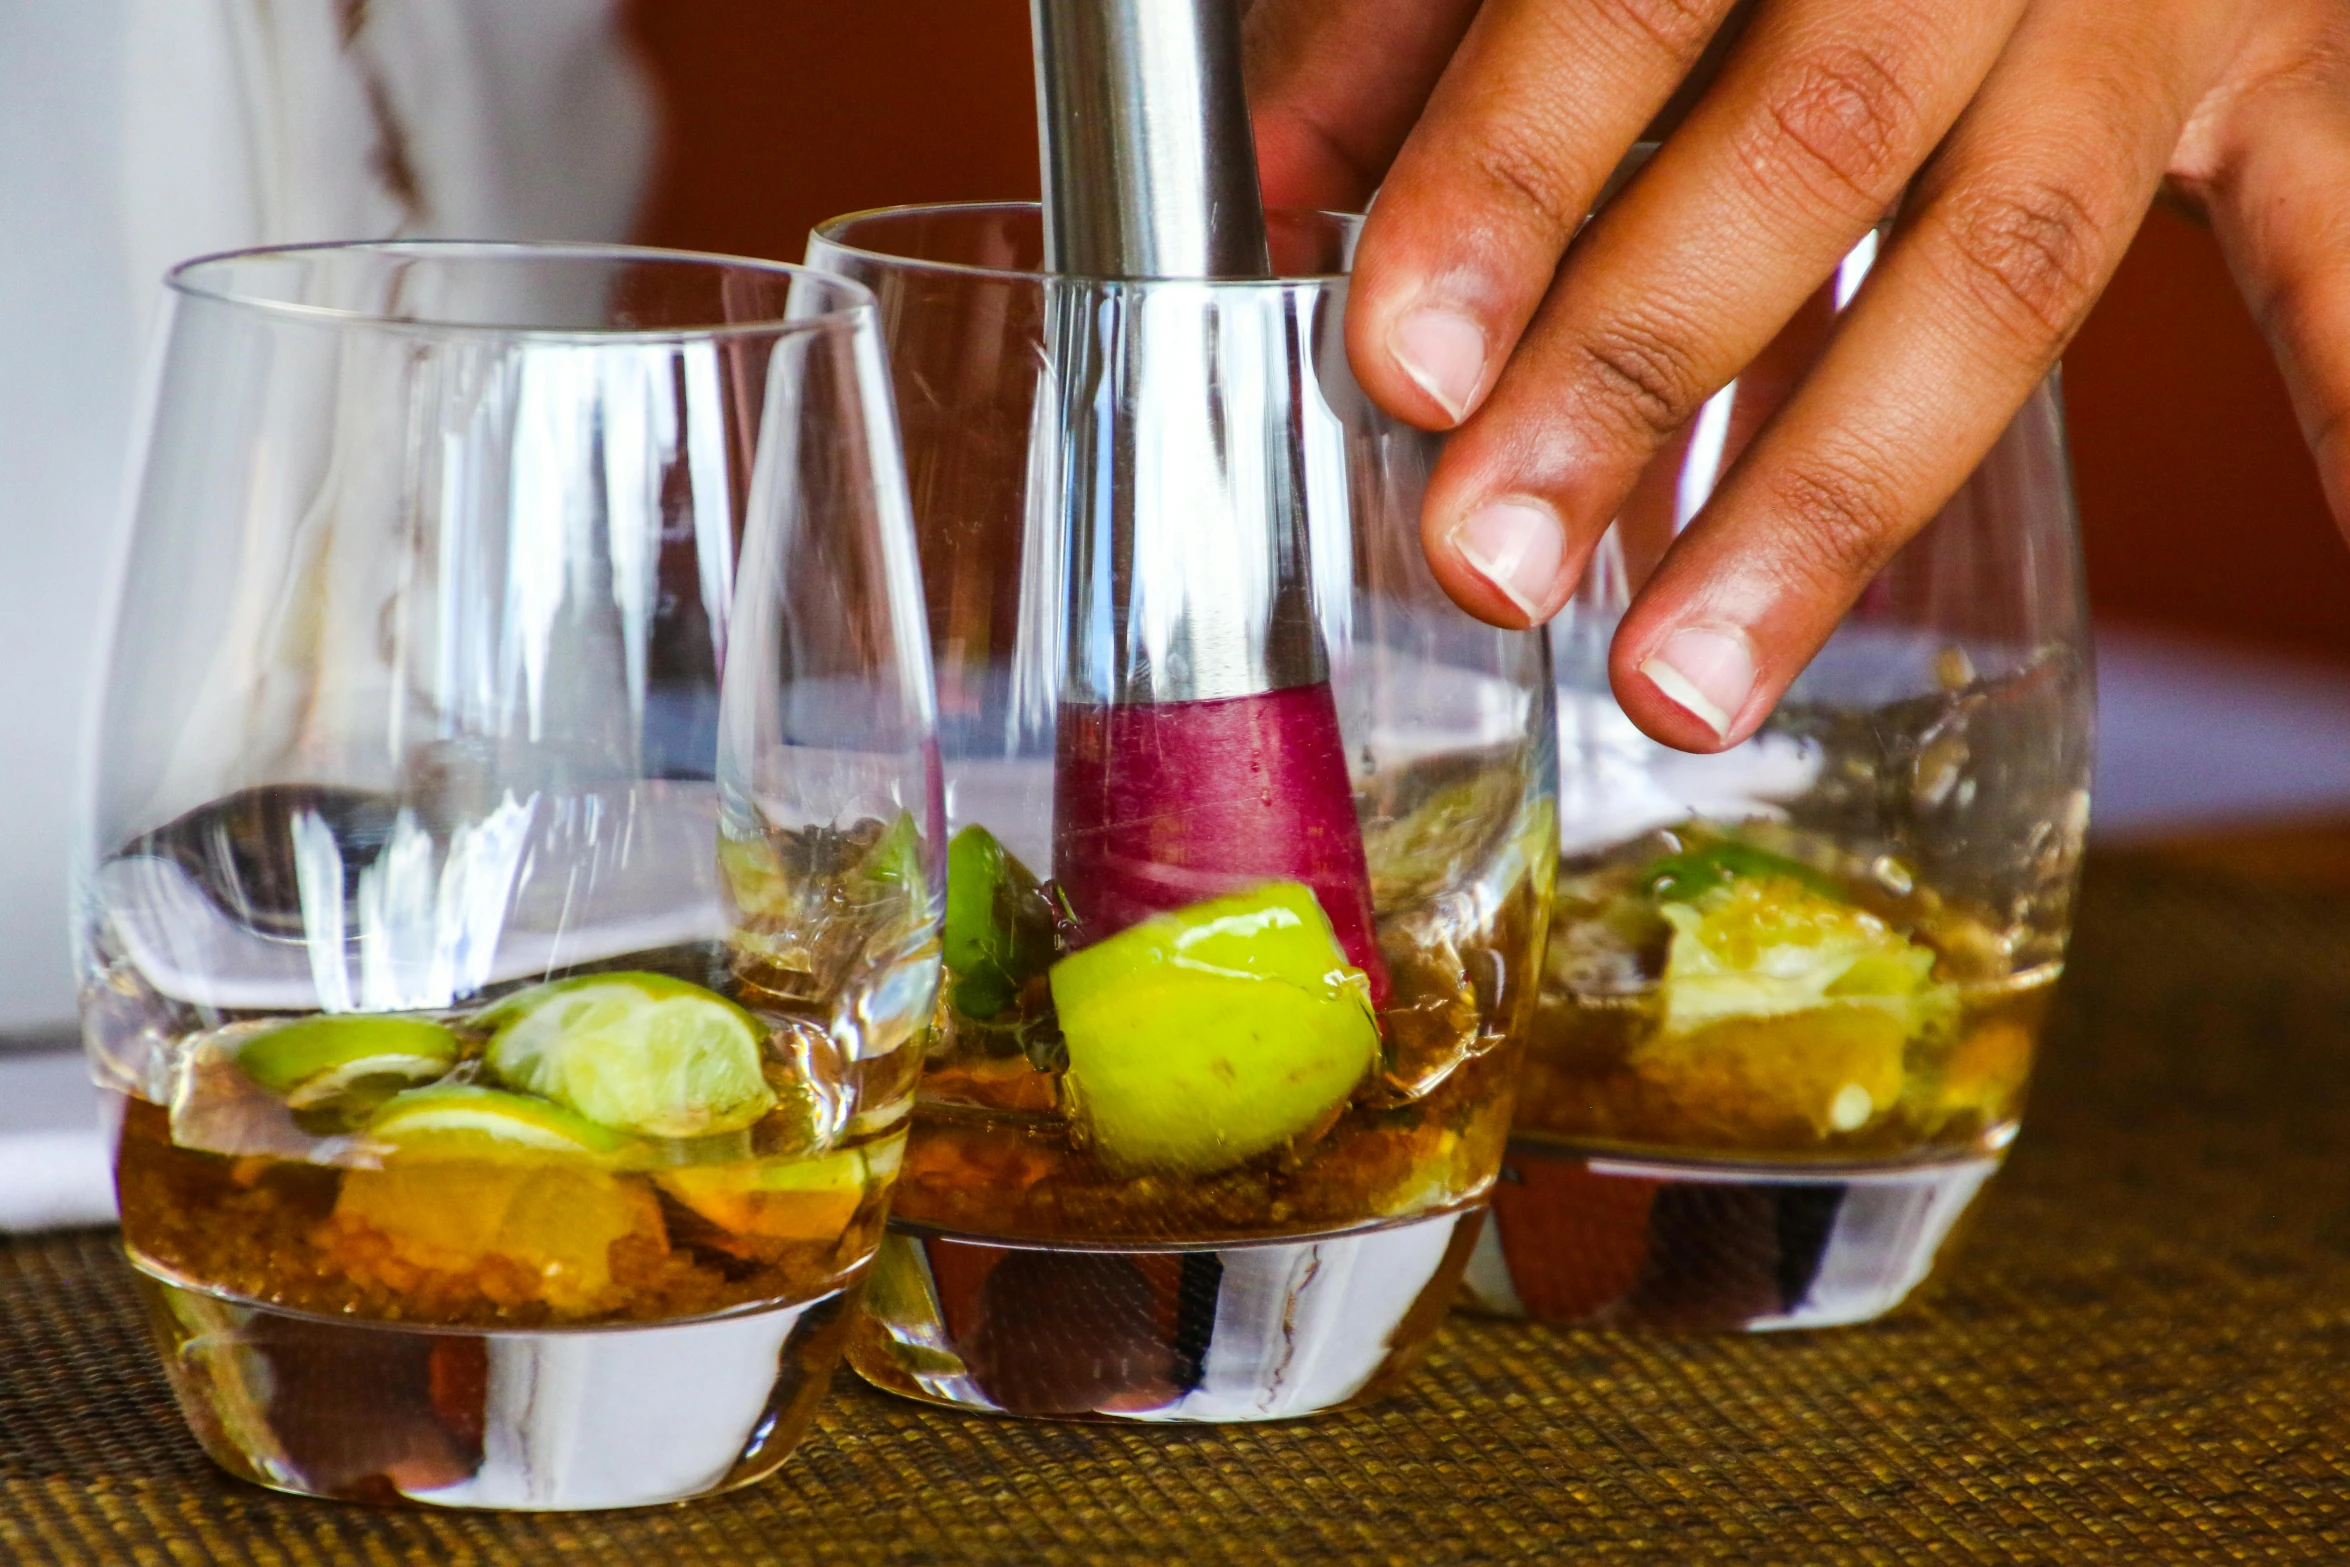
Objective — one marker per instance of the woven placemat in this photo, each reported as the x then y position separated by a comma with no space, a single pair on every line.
2144,1356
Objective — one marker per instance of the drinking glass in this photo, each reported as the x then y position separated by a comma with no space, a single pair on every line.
490,1135
1234,982
1792,991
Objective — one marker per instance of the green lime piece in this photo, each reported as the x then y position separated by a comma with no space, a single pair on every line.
999,931
466,1121
894,863
644,1052
1691,874
1200,1039
325,1058
782,1199
1760,947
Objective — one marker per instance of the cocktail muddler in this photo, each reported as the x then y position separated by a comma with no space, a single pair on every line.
1220,1075
1199,748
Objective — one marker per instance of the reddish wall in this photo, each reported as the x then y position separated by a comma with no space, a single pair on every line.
2201,506
2201,510
786,112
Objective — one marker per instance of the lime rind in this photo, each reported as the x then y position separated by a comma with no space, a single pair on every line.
709,1188
811,1198
1708,867
648,1053
997,934
1200,1039
973,947
1276,931
377,1073
464,1120
317,1059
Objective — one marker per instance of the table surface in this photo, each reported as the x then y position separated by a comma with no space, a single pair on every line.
2143,1354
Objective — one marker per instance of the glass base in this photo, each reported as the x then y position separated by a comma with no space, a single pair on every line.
1580,1237
557,1420
1260,1330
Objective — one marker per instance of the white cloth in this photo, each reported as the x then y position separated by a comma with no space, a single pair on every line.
135,133
54,1181
54,1170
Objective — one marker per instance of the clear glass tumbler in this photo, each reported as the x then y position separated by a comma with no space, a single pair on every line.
1221,1070
1793,990
488,1135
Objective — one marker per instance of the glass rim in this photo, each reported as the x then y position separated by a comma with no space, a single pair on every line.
188,279
828,233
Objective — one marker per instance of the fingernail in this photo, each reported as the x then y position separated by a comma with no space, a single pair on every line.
1444,351
1516,546
1708,672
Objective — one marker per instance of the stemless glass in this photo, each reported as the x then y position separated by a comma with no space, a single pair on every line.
486,1137
1793,991
1197,1139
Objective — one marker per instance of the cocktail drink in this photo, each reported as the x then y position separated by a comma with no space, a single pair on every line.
511,1075
1229,1069
1219,1075
657,1135
1792,992
1748,990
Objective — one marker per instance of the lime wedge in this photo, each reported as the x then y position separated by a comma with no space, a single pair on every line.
998,931
1768,946
777,1199
1202,1038
462,1121
644,1052
556,1221
323,1058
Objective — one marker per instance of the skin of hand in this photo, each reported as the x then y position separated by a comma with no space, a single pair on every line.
2022,141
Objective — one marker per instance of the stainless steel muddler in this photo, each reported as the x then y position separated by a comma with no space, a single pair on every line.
1198,748
1149,165
1174,451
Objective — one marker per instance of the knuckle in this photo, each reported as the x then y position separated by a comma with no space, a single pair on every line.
1676,27
1516,169
2029,254
1841,526
1639,373
1842,117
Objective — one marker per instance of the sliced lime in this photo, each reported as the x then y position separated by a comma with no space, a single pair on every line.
463,1121
323,1058
1768,946
644,1052
779,1199
1200,1039
556,1219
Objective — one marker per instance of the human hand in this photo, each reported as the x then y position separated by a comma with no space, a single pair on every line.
2030,135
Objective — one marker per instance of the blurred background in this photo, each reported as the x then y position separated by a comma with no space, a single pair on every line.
136,132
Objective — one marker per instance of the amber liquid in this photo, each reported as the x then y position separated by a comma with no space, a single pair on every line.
357,1300
1736,1175
466,1243
227,1191
1602,1070
1455,863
